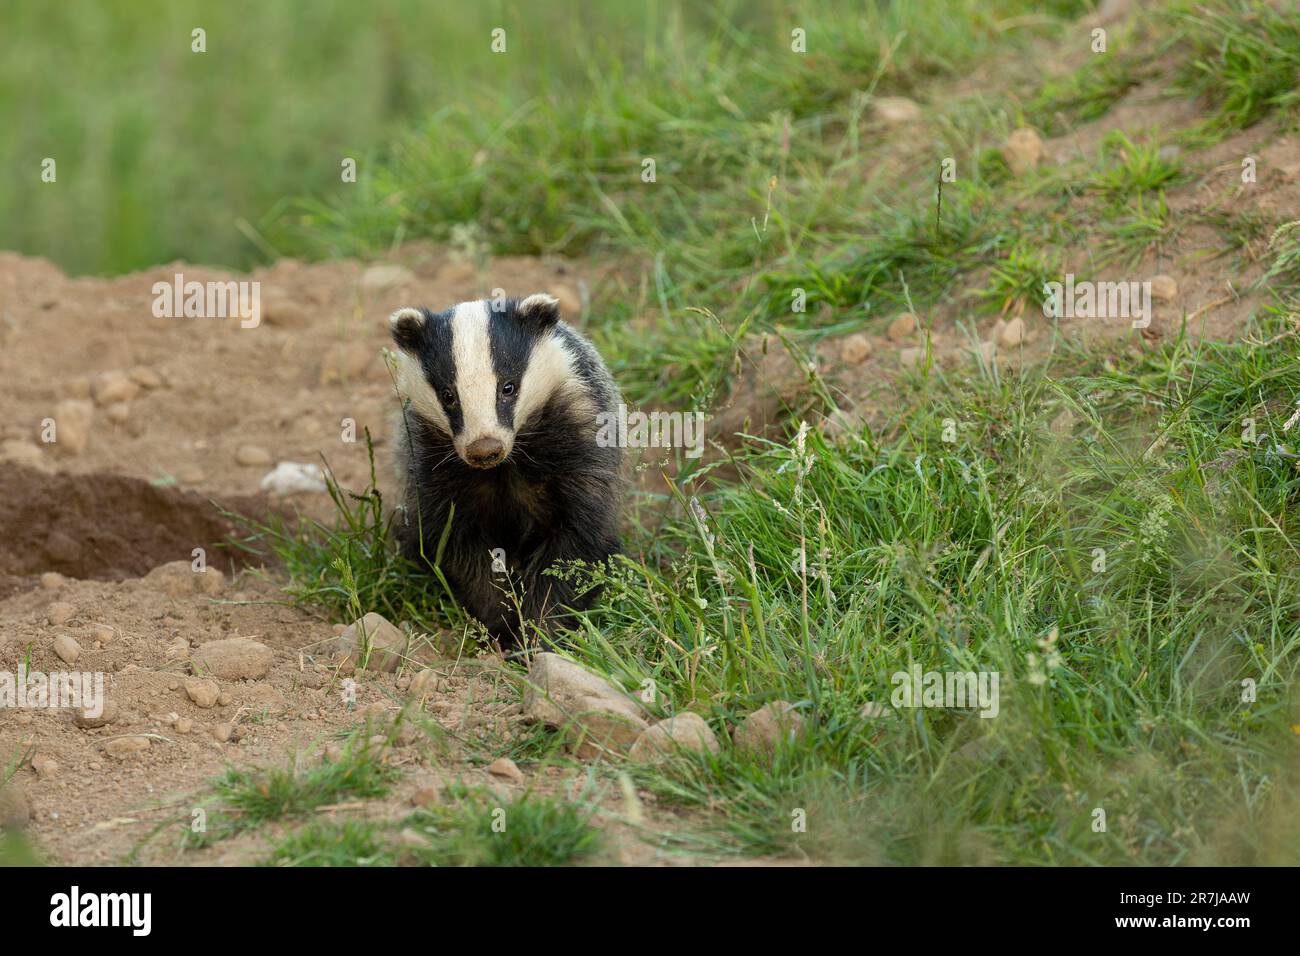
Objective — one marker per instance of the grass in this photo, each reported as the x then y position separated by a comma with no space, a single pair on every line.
164,153
1085,94
348,567
1246,58
467,827
245,799
473,828
1135,170
967,556
1129,237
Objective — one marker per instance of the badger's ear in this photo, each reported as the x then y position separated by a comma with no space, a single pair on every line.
407,326
539,311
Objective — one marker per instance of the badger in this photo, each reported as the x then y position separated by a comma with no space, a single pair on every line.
497,431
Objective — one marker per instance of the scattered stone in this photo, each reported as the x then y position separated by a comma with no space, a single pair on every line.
177,578
183,725
764,730
855,349
66,648
281,310
44,766
411,839
72,421
902,328
15,812
346,362
291,478
1012,334
381,278
86,720
252,456
20,451
233,658
554,682
52,580
113,387
190,474
145,377
596,715
123,747
177,650
384,642
102,633
204,692
60,612
118,412
686,730
1164,288
895,110
1022,151
505,767
78,387
222,732
425,796
423,684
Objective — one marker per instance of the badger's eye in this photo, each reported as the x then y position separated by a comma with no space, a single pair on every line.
508,389
449,397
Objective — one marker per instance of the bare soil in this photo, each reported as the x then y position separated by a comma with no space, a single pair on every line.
97,545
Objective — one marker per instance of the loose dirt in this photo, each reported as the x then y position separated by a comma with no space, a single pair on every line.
98,531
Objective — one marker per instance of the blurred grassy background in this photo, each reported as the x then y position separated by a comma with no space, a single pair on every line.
163,153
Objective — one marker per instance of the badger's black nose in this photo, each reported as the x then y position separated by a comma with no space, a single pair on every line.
485,452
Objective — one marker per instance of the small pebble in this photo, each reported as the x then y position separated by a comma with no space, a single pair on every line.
67,649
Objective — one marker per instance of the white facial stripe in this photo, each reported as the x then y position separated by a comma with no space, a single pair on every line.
476,381
412,384
550,370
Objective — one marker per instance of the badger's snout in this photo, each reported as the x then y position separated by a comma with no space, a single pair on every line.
485,452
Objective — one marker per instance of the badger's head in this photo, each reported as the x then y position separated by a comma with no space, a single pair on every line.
480,371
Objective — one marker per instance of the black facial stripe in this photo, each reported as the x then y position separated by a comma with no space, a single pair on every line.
439,365
511,344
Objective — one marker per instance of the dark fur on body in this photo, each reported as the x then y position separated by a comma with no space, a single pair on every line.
555,498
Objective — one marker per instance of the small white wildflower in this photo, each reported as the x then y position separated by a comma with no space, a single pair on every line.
701,518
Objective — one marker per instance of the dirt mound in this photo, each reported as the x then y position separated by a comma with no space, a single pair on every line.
105,527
